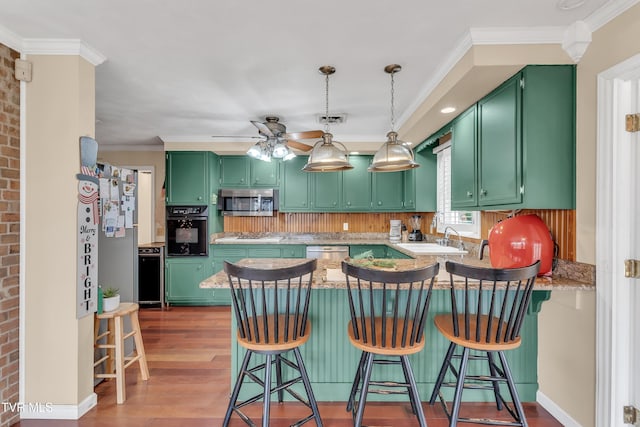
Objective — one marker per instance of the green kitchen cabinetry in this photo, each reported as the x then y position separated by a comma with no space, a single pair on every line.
243,171
234,253
464,191
326,191
377,251
294,191
421,183
357,189
182,279
187,175
184,274
356,185
515,148
388,191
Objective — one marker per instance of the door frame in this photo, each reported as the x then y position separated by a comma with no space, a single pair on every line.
615,176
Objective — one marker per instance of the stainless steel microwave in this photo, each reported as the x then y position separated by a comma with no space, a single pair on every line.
248,202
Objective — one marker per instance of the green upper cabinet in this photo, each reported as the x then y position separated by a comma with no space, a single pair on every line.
500,153
464,192
294,191
187,177
326,191
388,191
234,171
422,182
263,174
356,185
243,171
549,137
516,147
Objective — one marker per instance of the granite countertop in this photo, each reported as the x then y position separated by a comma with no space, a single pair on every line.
566,276
152,245
328,274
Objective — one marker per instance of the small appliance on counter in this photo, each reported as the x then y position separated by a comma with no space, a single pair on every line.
415,235
395,230
520,241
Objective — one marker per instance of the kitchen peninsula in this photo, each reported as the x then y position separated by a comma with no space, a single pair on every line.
330,358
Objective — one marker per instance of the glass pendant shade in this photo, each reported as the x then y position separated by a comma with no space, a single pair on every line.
394,155
327,157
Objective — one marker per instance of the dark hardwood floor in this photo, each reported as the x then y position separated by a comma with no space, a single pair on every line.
188,352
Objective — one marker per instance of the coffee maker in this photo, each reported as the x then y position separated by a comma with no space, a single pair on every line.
395,230
415,235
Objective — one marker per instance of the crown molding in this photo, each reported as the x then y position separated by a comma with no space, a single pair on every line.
10,39
63,47
609,11
516,35
127,147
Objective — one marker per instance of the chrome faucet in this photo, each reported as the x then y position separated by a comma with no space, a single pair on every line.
447,233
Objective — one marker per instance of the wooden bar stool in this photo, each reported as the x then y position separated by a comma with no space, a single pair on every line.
486,317
115,360
270,308
388,315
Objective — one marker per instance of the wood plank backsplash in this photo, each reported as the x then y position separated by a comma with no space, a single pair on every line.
561,223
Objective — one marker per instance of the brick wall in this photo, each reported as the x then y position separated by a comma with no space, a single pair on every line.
9,233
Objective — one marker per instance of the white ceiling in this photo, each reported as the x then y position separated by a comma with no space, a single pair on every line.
183,71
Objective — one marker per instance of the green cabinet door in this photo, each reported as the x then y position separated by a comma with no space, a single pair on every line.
464,154
388,191
409,194
326,191
182,281
263,174
500,142
234,171
356,185
294,190
187,178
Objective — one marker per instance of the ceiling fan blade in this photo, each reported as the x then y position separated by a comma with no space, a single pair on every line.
237,136
262,128
310,134
299,145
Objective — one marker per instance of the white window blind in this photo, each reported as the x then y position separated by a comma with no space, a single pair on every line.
467,223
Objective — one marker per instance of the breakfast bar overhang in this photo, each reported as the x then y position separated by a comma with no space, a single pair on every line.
331,360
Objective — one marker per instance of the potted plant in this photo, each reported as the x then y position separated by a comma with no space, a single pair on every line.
110,299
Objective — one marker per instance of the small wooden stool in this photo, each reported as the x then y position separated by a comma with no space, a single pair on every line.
115,339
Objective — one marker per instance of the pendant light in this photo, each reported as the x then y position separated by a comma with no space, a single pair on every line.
327,156
394,155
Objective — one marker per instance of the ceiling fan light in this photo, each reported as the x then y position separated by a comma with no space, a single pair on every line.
280,150
290,155
393,156
326,156
255,151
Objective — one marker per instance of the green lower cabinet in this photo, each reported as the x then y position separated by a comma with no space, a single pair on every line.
378,251
331,360
182,281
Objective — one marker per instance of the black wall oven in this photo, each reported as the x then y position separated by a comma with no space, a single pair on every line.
187,231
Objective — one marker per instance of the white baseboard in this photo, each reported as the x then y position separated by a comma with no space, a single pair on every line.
557,412
59,412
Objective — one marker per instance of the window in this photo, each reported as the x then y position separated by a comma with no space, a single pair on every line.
467,223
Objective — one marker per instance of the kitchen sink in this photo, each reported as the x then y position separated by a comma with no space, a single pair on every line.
431,249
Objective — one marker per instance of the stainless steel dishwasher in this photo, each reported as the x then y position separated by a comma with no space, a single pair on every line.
335,253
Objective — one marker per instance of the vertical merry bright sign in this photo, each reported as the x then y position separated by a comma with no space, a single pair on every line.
88,223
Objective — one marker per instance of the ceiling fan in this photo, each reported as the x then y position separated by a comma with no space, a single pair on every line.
273,132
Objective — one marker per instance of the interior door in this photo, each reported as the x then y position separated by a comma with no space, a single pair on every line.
634,301
617,239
